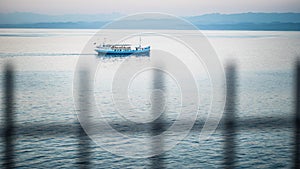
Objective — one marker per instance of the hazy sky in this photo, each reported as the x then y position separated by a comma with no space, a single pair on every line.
176,7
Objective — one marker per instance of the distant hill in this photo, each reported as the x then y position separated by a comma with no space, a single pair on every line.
30,18
250,17
216,21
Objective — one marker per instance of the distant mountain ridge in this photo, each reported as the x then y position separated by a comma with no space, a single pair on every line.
30,18
215,21
249,17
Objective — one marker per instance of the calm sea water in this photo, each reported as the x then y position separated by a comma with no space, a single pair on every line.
46,120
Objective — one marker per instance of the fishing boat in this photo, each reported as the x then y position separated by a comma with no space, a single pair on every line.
121,49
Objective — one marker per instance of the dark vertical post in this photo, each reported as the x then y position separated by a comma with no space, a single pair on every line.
158,126
84,110
229,119
297,119
9,117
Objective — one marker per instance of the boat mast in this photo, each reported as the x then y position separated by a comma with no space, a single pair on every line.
140,45
104,41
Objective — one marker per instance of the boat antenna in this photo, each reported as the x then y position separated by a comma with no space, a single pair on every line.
104,41
140,42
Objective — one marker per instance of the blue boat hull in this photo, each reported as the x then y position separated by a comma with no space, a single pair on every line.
124,52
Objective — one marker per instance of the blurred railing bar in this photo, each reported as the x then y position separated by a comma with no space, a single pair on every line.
158,125
84,99
9,117
297,119
229,118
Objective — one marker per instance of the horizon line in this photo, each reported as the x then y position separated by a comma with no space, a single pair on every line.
122,14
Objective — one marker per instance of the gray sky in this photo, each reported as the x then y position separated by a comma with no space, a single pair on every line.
176,7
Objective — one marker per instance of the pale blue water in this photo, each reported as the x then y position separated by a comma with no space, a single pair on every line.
46,121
